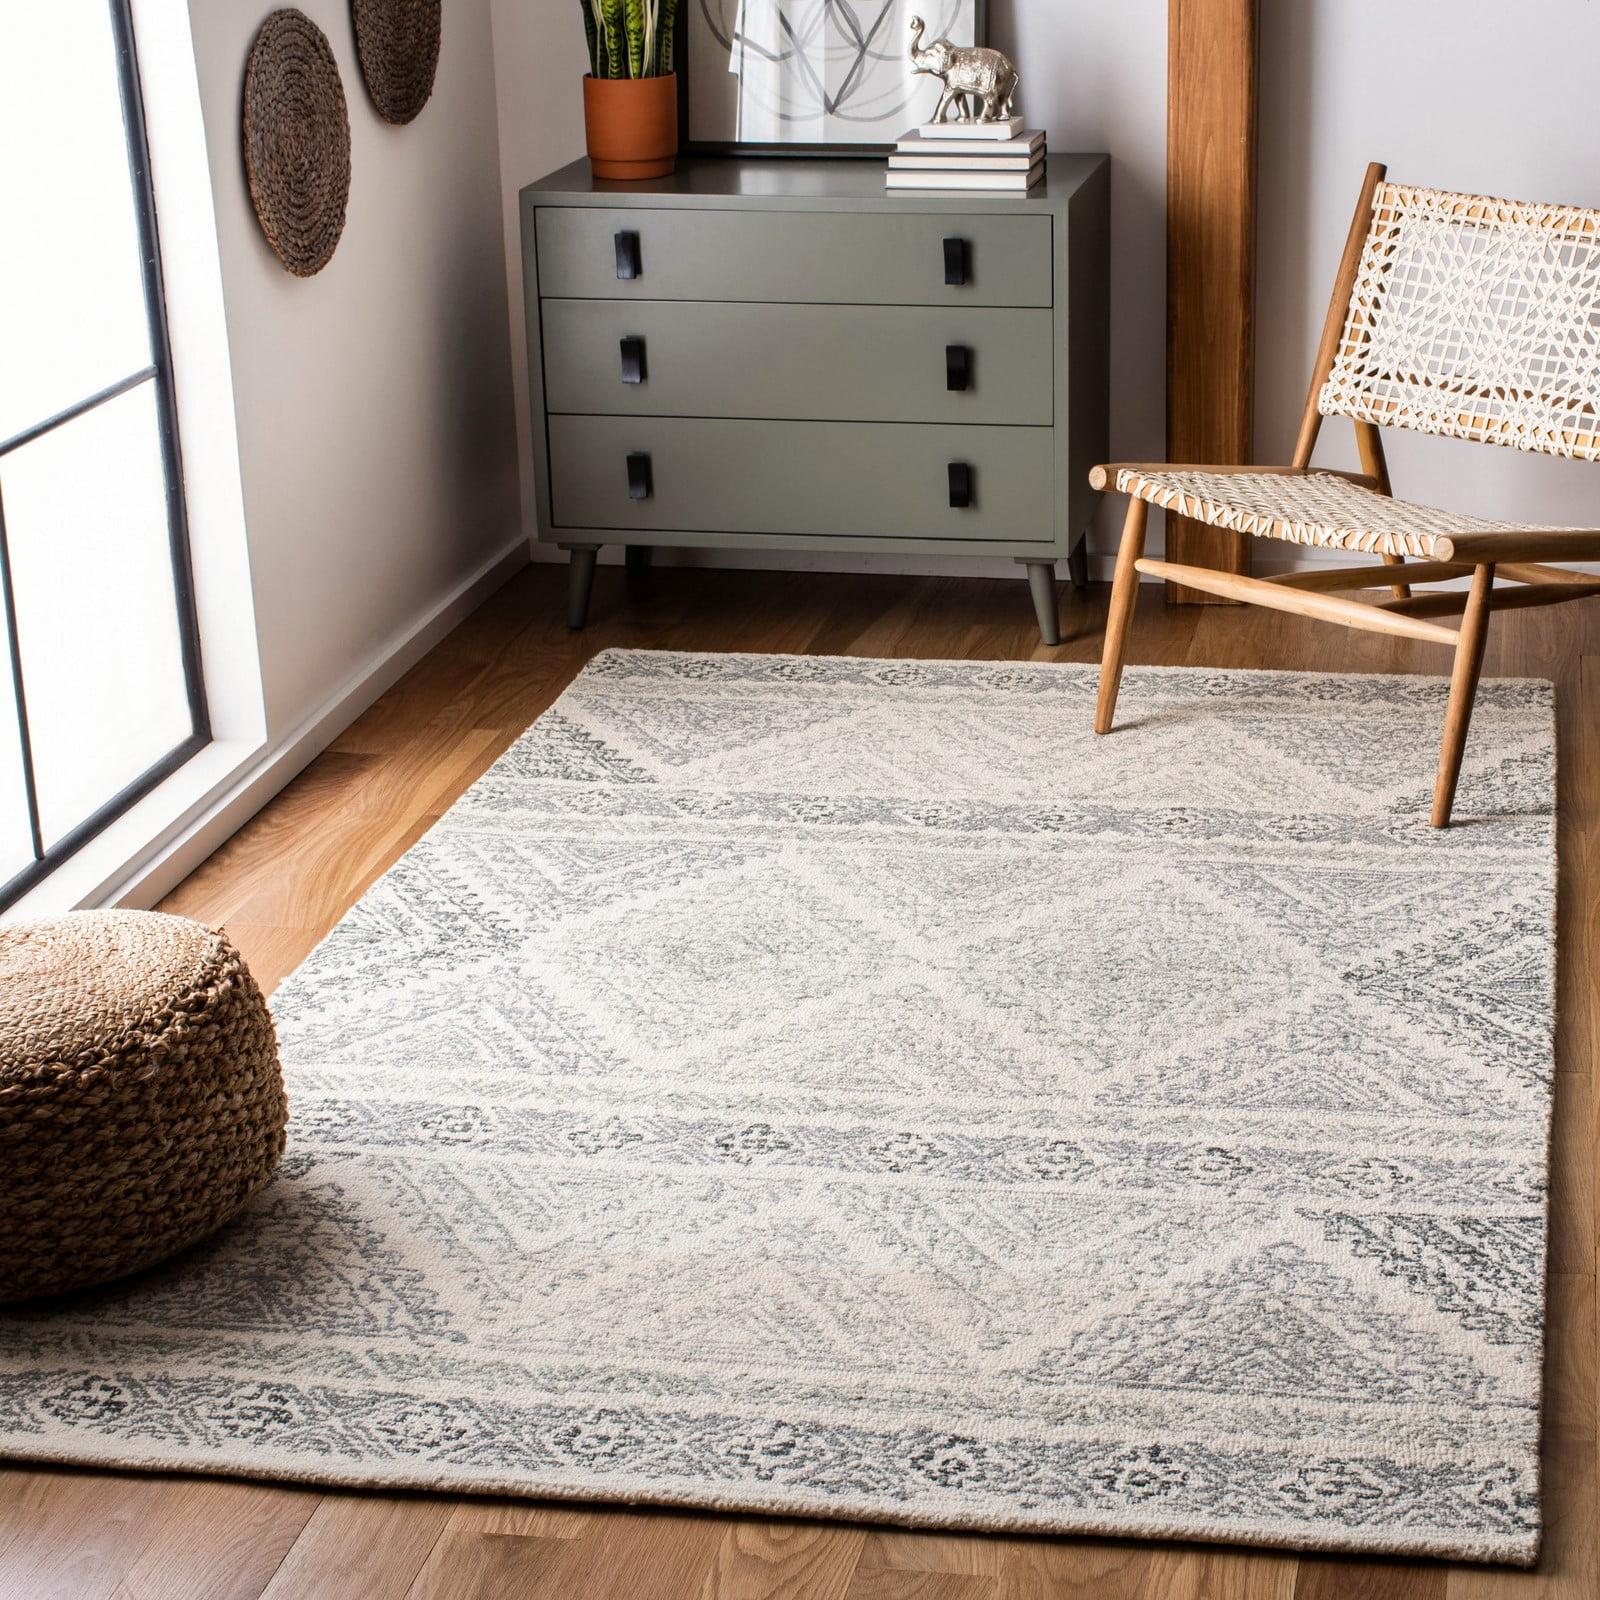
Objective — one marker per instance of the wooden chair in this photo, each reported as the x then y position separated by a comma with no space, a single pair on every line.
1452,314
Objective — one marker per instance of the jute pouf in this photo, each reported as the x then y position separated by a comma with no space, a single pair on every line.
141,1102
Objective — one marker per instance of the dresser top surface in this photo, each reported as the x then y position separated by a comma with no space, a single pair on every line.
804,183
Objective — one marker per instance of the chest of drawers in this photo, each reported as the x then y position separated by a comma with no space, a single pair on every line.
778,354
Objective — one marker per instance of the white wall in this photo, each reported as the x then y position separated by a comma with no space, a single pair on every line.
540,60
1474,94
374,401
1093,76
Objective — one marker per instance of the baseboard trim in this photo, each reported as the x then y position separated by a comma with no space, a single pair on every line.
225,808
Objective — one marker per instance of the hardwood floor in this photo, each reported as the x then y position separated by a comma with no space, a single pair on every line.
284,879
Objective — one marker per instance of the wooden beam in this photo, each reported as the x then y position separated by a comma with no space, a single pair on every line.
1577,544
1211,248
1324,607
1455,601
1532,572
1370,577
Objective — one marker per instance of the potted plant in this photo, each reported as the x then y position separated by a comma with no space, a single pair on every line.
630,97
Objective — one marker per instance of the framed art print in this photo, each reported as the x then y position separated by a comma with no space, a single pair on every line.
812,76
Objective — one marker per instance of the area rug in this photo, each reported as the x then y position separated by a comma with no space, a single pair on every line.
850,1088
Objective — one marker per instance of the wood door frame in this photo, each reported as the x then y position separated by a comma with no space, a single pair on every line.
1211,259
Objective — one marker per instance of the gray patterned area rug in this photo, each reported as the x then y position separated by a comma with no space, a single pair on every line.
850,1088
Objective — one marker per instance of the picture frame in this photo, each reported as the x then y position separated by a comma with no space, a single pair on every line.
833,71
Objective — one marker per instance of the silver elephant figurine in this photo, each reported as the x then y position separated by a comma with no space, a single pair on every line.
969,73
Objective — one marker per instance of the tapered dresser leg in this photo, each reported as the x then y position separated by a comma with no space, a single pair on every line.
1124,591
1042,585
1078,564
637,557
1470,641
580,581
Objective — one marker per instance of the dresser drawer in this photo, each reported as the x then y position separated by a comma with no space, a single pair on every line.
836,479
861,258
866,363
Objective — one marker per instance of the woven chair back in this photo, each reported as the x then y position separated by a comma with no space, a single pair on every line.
1477,319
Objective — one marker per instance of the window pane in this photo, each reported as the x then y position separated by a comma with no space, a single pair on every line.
16,841
70,284
102,670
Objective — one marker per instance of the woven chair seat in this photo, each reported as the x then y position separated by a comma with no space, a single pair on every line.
141,1102
1325,509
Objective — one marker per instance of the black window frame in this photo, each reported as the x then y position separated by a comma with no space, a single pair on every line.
158,373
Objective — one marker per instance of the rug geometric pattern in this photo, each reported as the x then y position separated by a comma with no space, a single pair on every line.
851,1088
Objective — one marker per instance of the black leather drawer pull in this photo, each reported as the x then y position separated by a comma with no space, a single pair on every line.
633,359
639,476
628,265
957,366
955,262
960,485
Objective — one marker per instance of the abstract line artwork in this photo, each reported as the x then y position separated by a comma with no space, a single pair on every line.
813,71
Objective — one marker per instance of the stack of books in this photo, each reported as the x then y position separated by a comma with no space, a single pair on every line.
1000,157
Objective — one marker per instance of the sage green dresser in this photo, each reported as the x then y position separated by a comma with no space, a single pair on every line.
777,354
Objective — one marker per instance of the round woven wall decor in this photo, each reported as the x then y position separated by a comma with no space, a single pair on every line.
397,42
296,141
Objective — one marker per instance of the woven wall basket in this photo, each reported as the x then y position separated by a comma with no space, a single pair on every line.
296,140
397,42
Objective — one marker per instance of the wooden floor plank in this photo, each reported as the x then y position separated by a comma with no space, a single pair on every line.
1578,850
900,1583
219,1540
67,1535
761,1560
1219,1574
540,1519
1337,1578
1572,1363
623,1555
360,1547
969,1554
486,1566
1088,1569
1573,1200
297,813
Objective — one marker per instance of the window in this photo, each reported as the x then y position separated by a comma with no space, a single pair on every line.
100,689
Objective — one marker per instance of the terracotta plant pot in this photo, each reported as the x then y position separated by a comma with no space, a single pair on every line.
631,125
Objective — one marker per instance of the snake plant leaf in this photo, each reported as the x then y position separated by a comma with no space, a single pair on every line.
635,25
665,29
611,34
591,32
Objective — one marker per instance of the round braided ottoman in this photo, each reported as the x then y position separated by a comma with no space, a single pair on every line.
141,1103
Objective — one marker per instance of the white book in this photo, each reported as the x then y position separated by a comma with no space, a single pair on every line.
994,182
1017,163
1007,129
914,143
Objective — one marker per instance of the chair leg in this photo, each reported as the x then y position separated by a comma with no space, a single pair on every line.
1401,591
1463,692
1124,591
